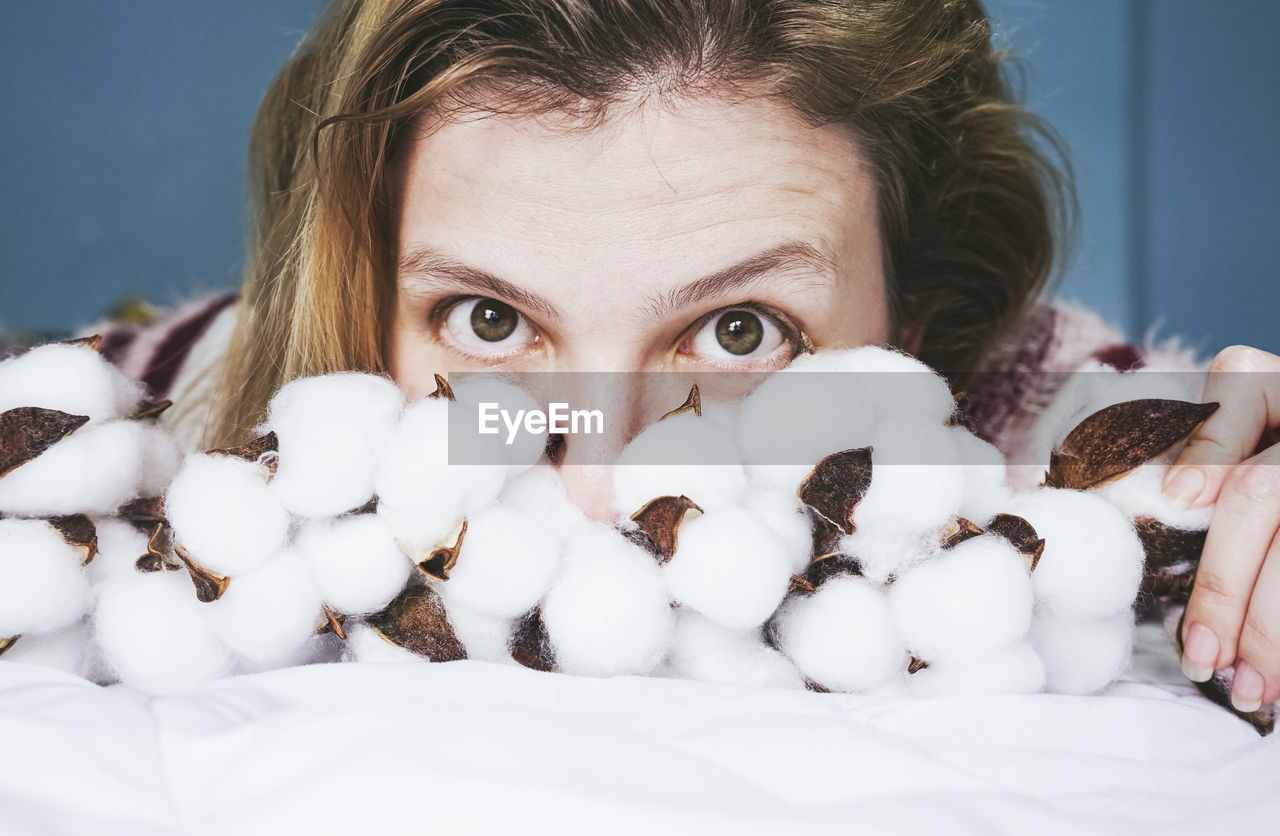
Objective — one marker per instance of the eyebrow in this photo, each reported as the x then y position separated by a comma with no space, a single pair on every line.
426,265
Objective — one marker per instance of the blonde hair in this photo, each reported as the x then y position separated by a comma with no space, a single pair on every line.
968,203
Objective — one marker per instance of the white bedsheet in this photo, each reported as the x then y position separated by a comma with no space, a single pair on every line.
471,747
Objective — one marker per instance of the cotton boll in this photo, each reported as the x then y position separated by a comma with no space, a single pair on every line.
330,430
71,649
94,470
1015,669
505,564
730,567
355,561
119,547
1140,493
917,483
70,378
986,490
964,603
652,465
785,515
884,553
539,493
155,635
224,514
270,614
707,652
1092,561
1083,656
364,644
485,638
525,449
42,585
161,460
607,612
897,385
842,636
791,421
420,494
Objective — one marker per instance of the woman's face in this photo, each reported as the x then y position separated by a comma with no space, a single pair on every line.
704,236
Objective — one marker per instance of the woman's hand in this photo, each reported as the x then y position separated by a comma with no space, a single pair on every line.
1234,613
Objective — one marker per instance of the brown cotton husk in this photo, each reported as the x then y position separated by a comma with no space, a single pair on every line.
157,557
209,587
332,621
1021,534
443,389
1166,546
530,644
93,341
917,665
145,512
255,451
27,431
831,565
659,523
80,533
960,530
1218,690
151,409
1113,441
5,644
440,560
417,621
693,404
836,485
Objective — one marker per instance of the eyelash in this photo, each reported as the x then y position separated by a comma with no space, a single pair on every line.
794,334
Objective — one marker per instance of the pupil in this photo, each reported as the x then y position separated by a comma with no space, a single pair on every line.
739,332
493,321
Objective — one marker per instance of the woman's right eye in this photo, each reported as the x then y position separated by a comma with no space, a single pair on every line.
485,328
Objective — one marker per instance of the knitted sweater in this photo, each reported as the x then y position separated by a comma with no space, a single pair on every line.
179,357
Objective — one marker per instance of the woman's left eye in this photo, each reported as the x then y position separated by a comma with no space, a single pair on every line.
738,336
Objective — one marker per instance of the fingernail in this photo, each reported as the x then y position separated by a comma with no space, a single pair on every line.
1185,487
1247,687
1199,652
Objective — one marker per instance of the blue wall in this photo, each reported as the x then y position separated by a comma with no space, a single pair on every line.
125,128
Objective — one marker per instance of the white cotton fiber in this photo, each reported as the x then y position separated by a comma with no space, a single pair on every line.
1082,656
785,515
842,636
224,514
364,644
539,492
69,378
681,455
916,481
94,470
707,652
485,638
1140,493
42,585
1092,561
420,494
965,602
791,421
269,615
71,649
896,385
730,567
155,635
355,561
330,429
161,460
885,553
986,488
607,612
119,547
525,448
1015,669
505,564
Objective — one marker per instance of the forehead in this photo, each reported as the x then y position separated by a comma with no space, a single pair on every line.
688,187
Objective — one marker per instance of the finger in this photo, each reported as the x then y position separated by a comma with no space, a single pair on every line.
1244,523
1246,381
1257,678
